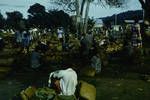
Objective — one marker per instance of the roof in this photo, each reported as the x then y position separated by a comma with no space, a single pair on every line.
132,21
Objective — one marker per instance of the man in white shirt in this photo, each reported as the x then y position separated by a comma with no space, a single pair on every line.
68,81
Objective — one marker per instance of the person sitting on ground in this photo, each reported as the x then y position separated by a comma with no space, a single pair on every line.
96,63
66,85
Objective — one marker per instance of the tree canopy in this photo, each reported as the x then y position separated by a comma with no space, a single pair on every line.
113,3
36,9
2,21
79,6
14,20
71,5
39,17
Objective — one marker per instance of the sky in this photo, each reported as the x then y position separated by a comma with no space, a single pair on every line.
95,11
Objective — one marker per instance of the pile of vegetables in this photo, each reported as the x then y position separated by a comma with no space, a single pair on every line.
114,47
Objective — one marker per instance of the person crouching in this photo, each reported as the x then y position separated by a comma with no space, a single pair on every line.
64,82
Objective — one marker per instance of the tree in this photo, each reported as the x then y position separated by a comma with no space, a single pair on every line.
2,21
146,7
113,3
38,15
52,19
79,6
36,9
15,20
59,19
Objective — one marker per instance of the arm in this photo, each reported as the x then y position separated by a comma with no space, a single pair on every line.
58,74
138,29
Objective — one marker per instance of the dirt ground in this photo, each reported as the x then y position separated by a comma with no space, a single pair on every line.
108,88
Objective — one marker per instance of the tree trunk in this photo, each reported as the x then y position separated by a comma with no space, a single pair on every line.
146,7
82,7
81,24
86,16
147,14
77,16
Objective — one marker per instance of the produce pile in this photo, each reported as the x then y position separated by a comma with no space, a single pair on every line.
73,44
114,47
98,38
32,93
44,94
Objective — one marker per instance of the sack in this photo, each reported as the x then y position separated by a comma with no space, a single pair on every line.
28,93
87,91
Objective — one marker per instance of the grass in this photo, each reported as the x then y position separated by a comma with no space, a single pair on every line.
120,89
123,90
109,86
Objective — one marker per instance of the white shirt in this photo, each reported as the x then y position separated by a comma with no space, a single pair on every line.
68,80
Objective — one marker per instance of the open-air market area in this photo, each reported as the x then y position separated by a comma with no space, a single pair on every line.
74,50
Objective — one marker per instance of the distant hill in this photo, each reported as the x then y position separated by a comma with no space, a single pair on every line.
129,15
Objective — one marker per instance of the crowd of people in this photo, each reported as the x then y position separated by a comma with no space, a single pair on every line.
88,47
